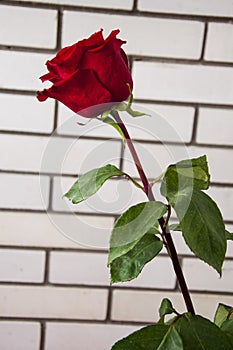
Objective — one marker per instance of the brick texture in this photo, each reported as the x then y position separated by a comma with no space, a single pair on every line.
219,45
177,38
179,82
51,302
23,114
24,18
13,333
21,266
54,280
103,336
191,7
105,4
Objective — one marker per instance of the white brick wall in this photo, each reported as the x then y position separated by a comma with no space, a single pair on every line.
103,336
79,268
197,273
54,283
21,265
105,4
23,113
53,302
37,36
56,155
177,38
183,82
219,45
24,191
192,7
221,125
19,335
17,69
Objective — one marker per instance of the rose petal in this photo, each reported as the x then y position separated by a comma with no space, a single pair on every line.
111,67
67,59
77,92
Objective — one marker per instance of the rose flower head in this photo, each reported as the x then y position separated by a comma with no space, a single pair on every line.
89,75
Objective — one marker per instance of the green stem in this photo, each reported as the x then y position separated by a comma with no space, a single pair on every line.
165,229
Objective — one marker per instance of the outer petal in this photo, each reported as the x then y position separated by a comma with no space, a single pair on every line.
79,92
67,59
110,65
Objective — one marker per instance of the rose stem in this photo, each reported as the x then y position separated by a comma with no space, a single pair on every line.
166,232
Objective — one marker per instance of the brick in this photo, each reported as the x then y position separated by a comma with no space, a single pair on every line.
21,265
23,191
189,7
229,243
229,252
221,125
111,4
183,82
58,335
13,333
176,38
156,158
175,123
219,45
16,158
21,70
79,268
56,155
25,113
15,22
53,302
55,230
114,197
207,279
77,156
223,196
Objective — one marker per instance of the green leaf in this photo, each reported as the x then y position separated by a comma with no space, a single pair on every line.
198,333
189,173
171,341
223,313
229,236
147,338
200,219
202,226
227,328
132,225
166,308
129,265
89,183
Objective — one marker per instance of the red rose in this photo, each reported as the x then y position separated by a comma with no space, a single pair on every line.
89,73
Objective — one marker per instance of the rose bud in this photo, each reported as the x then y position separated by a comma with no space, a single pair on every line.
90,75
